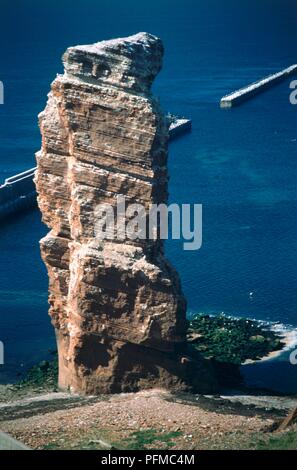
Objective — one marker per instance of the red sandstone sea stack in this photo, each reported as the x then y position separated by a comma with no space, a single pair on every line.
117,306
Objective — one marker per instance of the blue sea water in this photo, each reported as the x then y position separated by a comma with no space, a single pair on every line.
240,164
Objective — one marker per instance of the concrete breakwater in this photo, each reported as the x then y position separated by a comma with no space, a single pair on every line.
18,192
179,127
253,89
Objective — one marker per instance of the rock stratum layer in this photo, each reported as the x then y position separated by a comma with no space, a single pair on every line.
117,305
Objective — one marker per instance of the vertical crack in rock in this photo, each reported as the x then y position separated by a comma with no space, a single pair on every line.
117,306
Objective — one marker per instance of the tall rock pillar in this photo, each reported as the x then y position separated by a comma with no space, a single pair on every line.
116,305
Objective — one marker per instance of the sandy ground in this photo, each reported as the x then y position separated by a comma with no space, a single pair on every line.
56,421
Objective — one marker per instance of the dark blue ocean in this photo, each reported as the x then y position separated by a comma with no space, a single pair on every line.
241,164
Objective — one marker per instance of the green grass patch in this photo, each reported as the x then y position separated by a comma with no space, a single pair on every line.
42,375
50,446
285,441
143,440
231,340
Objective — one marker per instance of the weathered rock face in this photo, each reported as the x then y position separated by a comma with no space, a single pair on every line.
117,305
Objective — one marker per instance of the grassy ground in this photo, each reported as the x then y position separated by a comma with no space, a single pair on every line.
158,439
283,441
141,440
231,340
100,439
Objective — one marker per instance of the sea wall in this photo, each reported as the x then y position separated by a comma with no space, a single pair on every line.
18,193
253,89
